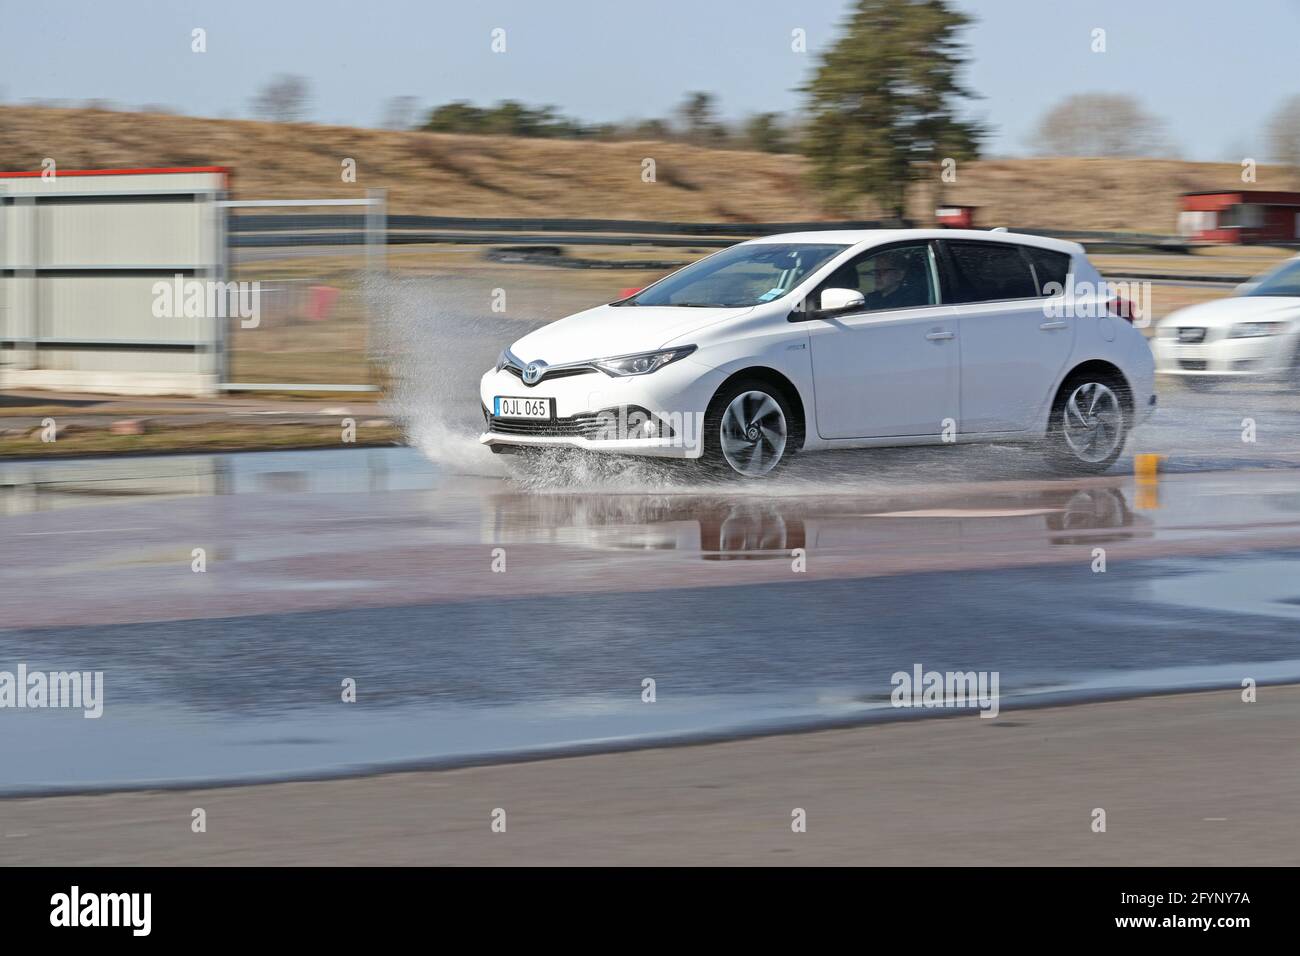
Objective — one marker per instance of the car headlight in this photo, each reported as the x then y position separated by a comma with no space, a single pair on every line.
1251,330
643,363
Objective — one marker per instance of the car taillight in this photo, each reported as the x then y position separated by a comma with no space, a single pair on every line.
1123,308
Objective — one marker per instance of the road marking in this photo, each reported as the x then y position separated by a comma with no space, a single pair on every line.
968,513
30,534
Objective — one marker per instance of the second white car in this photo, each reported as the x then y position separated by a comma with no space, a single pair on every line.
1252,334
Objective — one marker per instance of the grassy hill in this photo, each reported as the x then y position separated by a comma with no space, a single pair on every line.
441,174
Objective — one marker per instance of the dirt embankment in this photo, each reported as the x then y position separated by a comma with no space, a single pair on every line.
442,174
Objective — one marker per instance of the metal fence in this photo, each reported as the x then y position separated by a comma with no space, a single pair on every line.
317,313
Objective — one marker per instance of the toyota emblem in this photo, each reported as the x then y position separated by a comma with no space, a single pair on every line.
534,372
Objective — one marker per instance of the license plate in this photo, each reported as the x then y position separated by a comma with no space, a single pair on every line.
504,407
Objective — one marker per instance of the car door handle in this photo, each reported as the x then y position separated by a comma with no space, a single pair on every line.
939,336
1048,326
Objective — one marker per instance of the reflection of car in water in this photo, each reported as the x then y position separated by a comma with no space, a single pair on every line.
731,528
1090,510
825,340
1253,334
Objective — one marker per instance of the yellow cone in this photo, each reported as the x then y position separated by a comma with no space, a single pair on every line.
1147,467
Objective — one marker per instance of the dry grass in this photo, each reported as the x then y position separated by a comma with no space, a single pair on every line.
439,174
1121,195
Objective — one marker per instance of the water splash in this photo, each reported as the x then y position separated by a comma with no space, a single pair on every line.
438,342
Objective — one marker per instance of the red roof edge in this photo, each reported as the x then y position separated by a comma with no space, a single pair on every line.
147,171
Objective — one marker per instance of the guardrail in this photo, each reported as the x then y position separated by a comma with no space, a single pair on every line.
344,229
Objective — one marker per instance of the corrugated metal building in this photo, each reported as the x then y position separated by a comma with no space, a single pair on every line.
81,253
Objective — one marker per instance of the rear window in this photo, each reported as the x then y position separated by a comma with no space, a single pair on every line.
1049,267
987,271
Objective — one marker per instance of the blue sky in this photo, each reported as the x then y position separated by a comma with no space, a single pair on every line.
1212,71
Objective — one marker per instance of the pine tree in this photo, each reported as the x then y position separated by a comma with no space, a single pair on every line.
884,102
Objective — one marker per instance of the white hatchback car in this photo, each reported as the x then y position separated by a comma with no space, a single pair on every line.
1255,333
823,340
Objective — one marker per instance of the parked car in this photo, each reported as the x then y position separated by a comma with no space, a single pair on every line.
822,340
1252,334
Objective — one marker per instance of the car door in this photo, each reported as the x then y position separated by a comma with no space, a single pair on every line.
1014,345
891,367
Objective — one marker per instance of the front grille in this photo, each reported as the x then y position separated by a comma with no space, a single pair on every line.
1193,365
550,373
579,426
1190,335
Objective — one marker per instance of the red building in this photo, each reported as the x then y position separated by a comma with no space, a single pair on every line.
955,217
1240,216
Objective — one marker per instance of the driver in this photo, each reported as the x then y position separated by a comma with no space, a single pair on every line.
889,269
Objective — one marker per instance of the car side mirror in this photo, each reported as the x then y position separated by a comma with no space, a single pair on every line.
830,302
839,300
1245,288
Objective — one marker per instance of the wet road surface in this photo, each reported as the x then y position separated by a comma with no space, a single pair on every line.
377,566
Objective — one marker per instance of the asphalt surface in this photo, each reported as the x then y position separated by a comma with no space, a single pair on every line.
1186,780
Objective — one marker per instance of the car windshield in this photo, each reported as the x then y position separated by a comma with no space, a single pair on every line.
1281,281
744,275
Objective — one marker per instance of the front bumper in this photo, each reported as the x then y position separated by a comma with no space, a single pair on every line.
1225,357
675,397
650,447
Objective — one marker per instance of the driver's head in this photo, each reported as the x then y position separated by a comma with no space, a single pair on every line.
888,268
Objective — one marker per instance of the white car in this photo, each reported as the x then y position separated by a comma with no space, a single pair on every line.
1255,333
823,340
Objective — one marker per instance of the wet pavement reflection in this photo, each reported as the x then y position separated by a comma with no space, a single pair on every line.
374,565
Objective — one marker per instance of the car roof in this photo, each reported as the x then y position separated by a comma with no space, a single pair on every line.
866,238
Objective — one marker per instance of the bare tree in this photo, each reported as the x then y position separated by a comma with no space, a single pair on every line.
282,100
399,112
1283,134
1100,124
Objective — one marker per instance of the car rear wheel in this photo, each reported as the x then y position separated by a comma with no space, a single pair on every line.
749,430
1089,424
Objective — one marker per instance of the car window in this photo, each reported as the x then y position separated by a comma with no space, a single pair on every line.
1283,281
988,271
1049,267
900,277
748,274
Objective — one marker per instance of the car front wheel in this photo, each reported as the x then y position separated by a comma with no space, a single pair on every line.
749,430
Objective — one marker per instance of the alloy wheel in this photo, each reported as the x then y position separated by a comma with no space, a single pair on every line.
753,433
1093,422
